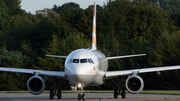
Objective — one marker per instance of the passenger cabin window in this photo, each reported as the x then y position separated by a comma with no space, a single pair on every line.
75,61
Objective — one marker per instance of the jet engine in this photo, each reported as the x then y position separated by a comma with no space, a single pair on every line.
134,84
36,85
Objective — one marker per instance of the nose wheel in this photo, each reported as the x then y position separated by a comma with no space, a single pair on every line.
81,95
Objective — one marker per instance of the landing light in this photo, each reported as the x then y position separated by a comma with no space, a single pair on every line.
79,85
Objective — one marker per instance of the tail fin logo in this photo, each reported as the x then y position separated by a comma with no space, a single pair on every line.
94,47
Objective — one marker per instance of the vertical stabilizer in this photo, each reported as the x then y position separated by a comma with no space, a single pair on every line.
94,47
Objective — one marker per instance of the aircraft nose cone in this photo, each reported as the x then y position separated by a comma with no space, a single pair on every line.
80,75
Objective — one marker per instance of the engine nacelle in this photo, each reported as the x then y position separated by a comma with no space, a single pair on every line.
134,84
36,85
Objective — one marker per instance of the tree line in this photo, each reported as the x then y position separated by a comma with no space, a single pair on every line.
123,27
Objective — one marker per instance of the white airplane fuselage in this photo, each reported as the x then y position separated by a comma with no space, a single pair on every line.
86,67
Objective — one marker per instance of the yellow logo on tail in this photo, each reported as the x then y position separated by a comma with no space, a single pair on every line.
94,47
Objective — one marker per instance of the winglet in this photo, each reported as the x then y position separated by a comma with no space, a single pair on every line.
94,47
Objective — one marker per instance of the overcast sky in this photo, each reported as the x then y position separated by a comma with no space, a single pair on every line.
33,5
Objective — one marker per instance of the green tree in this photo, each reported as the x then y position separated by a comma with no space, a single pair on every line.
4,10
16,29
15,59
61,47
14,7
52,64
41,34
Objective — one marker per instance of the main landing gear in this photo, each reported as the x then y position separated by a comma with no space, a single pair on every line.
118,91
58,94
81,95
55,86
123,93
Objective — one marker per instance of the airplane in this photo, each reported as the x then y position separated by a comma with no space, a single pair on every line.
88,67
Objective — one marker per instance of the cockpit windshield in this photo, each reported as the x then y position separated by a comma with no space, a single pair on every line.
75,61
81,61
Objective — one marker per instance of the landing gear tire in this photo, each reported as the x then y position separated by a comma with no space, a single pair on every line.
59,94
115,93
123,94
119,91
51,94
83,97
79,96
54,91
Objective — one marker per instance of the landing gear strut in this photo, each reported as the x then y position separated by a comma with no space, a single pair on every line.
58,94
81,95
55,86
118,91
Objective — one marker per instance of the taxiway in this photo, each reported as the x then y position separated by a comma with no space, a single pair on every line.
89,97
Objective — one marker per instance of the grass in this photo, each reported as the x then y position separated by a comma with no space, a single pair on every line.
64,91
172,92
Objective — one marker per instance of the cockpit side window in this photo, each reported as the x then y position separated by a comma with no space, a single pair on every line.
90,61
83,60
70,60
75,61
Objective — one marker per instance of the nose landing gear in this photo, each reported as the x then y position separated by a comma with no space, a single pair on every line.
81,95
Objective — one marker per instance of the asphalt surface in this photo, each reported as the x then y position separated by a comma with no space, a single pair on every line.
89,97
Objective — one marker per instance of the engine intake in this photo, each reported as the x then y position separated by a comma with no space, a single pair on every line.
134,84
36,85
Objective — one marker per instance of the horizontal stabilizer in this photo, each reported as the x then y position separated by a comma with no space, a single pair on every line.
125,56
57,56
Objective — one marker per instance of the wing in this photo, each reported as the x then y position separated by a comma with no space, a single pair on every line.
125,56
31,71
57,56
110,74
